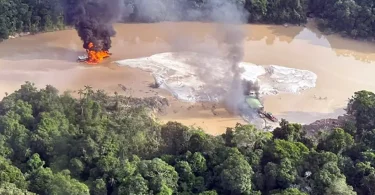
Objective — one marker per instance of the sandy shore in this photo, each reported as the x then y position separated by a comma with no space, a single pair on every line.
343,66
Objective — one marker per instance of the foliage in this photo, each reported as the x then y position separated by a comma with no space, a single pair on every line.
11,189
362,107
290,191
11,174
30,16
354,18
99,144
337,141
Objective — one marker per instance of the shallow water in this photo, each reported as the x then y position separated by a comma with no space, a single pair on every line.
343,66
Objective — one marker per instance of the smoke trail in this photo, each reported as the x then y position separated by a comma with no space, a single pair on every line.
229,14
93,21
235,95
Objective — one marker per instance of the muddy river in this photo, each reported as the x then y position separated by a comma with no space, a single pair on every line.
343,66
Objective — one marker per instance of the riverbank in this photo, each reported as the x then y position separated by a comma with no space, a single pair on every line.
311,22
342,66
22,34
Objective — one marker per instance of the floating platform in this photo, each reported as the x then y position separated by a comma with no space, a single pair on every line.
85,57
82,58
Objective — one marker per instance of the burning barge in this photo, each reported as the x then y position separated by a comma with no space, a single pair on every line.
93,56
251,92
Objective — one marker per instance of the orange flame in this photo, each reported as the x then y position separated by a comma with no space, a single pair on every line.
95,57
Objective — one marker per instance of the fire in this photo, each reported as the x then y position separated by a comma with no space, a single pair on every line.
94,57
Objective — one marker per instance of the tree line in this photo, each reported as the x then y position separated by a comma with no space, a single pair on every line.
353,18
52,143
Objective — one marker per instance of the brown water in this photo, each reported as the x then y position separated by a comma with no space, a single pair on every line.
343,66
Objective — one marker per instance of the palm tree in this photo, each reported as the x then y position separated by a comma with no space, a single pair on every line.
117,99
101,95
100,91
89,91
80,92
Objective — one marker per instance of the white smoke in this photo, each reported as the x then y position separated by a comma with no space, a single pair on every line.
229,37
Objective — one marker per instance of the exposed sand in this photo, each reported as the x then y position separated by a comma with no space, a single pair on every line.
195,77
343,66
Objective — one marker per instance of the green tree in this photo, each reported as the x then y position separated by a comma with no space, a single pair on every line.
362,107
63,184
186,176
211,192
50,133
198,163
323,173
364,177
176,137
11,174
134,185
290,191
340,187
234,174
40,180
34,163
368,139
280,176
106,143
15,136
12,189
288,131
199,141
98,187
247,137
160,175
337,141
281,149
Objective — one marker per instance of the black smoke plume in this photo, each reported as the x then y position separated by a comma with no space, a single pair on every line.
93,20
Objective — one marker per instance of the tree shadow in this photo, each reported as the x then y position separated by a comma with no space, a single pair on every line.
359,50
284,34
347,47
338,41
